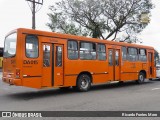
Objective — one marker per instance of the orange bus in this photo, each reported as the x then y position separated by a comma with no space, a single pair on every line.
40,59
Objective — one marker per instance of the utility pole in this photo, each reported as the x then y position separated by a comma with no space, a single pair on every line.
33,10
33,16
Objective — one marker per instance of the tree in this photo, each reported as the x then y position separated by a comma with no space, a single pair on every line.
106,19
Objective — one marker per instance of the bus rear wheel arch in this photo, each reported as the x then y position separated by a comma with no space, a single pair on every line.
83,82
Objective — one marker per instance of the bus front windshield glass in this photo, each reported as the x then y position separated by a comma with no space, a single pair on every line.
10,45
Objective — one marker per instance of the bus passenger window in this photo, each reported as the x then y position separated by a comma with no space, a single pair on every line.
142,55
87,51
46,55
58,56
101,52
72,50
31,46
132,54
124,53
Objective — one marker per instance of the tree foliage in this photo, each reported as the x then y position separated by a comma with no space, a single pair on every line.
106,19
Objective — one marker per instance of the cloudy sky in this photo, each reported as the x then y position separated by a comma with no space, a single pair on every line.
16,13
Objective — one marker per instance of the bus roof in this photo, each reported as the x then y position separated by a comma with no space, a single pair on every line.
74,37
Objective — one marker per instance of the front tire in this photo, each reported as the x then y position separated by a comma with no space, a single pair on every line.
83,83
141,78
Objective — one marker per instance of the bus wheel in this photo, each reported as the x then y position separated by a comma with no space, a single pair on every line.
83,83
141,78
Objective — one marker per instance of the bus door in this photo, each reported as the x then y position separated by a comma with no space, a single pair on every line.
52,64
114,64
58,65
47,65
117,64
150,63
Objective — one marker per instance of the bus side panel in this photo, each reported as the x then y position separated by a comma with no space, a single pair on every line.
70,80
100,78
129,76
129,71
32,82
98,70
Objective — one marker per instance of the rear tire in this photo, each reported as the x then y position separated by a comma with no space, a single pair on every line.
141,78
83,83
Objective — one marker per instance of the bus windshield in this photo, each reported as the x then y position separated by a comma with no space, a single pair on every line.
10,45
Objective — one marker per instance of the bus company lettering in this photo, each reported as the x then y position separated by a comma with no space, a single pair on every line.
30,62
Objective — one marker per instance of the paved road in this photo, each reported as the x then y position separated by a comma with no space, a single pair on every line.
109,97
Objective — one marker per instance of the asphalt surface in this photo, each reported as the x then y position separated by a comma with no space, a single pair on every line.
107,97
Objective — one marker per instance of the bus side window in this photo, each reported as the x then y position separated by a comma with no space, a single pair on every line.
87,51
101,51
72,50
46,55
31,46
132,54
142,55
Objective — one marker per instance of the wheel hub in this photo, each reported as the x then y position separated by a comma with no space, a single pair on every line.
84,83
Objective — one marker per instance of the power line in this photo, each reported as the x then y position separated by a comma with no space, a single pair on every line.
34,10
39,2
